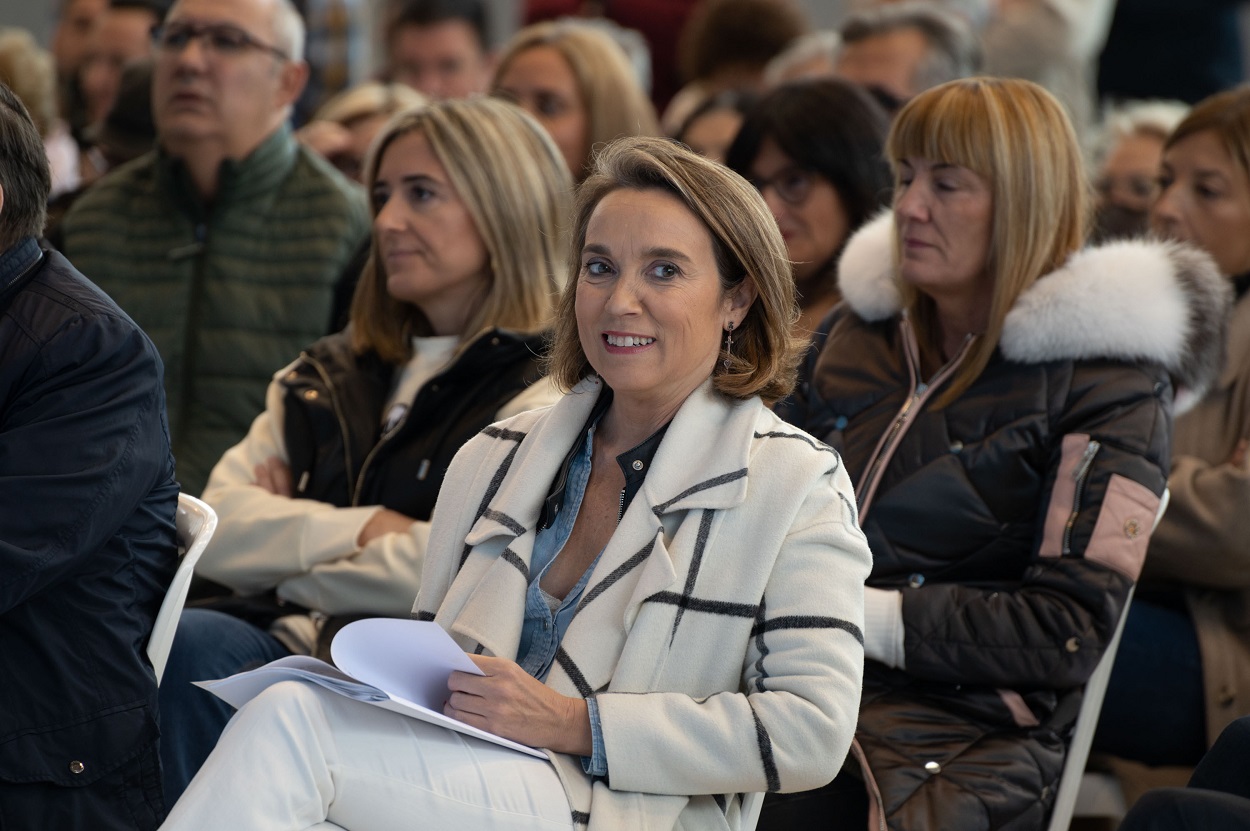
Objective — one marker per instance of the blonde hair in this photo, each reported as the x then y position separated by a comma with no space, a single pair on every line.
367,100
1015,135
615,104
747,245
30,72
515,186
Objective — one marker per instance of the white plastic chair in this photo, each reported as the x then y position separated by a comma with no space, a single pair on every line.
1087,718
196,523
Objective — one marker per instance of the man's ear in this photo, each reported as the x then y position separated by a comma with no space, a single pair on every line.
294,79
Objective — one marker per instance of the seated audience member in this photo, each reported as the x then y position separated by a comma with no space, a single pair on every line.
813,55
1184,663
76,20
725,45
815,151
660,22
898,50
1126,164
324,507
1002,400
345,126
1218,796
122,35
125,134
1054,43
87,539
439,48
580,86
28,71
225,244
711,128
661,581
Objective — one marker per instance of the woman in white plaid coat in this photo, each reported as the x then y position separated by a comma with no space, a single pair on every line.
661,581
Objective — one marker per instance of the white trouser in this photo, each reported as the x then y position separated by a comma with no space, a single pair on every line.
300,757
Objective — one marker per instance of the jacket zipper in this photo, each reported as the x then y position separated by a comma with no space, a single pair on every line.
338,414
919,394
1079,476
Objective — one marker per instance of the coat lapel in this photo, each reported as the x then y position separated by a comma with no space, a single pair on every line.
488,596
700,466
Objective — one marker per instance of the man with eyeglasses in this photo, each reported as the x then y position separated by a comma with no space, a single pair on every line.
225,243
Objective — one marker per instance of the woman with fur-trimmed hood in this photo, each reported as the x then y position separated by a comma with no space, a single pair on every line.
1002,398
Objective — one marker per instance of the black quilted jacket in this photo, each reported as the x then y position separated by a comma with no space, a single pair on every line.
1013,521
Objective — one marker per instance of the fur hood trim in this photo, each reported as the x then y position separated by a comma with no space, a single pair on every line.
1142,300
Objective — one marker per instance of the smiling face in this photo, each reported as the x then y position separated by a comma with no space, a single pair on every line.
1205,199
651,313
943,214
808,210
203,97
541,81
430,248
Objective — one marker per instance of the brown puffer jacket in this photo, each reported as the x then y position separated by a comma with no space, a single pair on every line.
1014,520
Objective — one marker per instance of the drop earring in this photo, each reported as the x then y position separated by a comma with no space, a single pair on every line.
729,344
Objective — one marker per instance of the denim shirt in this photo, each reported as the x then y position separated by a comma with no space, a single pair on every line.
543,629
546,622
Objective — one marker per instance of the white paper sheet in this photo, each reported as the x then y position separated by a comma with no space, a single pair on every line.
398,665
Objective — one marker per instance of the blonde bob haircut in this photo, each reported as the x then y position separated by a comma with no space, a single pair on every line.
615,103
515,186
1015,135
747,246
1227,115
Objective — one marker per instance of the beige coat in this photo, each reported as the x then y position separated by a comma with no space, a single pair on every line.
1203,541
721,630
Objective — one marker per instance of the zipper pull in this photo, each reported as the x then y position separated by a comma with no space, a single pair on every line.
423,470
1087,459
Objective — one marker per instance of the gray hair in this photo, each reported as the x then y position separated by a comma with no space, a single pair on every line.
954,49
822,43
1156,118
288,29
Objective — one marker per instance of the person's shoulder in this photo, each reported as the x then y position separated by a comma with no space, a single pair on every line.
114,198
1139,302
313,176
778,440
60,303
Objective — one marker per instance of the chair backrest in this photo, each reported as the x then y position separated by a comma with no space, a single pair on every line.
1087,718
196,523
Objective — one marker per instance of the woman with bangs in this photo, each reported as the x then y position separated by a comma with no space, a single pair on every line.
325,505
1002,397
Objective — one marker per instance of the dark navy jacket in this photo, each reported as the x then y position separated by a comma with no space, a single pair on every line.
87,538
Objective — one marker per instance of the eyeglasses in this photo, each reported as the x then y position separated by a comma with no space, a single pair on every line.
218,38
793,184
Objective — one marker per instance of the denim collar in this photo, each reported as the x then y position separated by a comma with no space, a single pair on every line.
17,261
634,463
